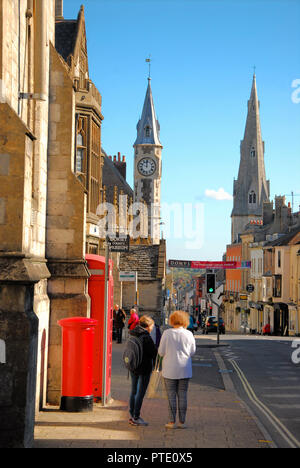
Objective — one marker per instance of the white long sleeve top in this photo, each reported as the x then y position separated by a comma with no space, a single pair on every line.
177,346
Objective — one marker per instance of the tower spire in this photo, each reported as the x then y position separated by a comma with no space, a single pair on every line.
148,60
148,127
251,188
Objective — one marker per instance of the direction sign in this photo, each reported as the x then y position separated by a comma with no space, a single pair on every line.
118,244
127,276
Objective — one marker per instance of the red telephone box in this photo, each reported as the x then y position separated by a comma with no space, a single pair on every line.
96,283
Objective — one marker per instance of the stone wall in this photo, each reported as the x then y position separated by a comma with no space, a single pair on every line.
66,220
24,304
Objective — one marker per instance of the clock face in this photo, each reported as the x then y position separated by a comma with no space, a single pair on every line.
146,166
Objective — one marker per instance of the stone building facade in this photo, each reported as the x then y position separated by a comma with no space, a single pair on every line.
53,176
259,244
75,163
26,37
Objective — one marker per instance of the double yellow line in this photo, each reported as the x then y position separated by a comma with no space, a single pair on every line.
282,430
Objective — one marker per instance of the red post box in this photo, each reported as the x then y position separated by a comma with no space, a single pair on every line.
77,364
96,288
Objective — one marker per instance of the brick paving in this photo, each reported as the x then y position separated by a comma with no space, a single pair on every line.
216,418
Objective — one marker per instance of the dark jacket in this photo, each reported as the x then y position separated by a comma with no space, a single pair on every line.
149,350
120,319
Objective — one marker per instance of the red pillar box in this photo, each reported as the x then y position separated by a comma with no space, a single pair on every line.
77,364
96,265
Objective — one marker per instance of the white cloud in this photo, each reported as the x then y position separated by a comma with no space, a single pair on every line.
220,194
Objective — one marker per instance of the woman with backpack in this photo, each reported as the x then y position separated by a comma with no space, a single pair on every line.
139,357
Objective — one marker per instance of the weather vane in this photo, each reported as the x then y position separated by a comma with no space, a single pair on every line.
254,69
148,60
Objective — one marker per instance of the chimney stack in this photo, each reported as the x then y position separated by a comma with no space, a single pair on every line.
267,212
120,164
59,9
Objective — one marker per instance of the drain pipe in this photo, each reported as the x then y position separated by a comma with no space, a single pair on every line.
19,58
40,40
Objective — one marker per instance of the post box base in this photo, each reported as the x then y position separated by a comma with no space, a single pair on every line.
76,404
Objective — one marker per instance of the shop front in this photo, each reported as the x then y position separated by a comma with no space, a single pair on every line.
281,319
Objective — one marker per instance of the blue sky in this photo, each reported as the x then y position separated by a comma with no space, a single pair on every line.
203,53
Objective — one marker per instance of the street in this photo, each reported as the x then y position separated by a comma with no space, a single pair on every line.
216,418
267,380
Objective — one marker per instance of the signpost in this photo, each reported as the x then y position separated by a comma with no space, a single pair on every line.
106,277
116,244
129,276
218,315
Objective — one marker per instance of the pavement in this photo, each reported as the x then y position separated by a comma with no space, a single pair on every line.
216,416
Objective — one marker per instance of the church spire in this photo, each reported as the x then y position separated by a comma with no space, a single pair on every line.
148,127
251,188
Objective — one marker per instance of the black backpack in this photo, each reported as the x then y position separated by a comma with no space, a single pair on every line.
133,353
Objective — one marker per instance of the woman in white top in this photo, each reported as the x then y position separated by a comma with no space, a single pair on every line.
177,347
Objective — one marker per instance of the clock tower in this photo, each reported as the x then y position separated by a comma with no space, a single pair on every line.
147,165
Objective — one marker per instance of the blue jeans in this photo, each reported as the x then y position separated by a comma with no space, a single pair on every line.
177,389
139,384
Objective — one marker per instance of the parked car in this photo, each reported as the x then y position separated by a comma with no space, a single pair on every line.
211,324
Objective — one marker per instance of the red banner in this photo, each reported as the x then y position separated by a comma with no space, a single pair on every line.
207,265
214,265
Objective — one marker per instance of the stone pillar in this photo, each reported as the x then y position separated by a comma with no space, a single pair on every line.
19,332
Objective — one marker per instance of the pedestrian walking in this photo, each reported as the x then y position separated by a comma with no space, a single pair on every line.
156,335
114,331
177,346
191,325
119,323
133,319
140,376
